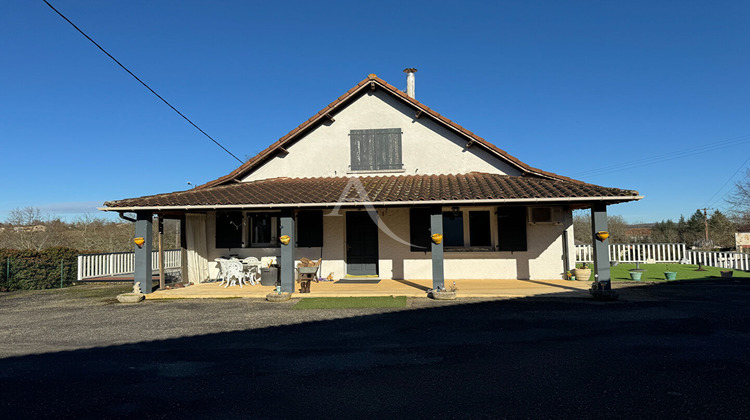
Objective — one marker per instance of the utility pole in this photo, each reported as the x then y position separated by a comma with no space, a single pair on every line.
705,219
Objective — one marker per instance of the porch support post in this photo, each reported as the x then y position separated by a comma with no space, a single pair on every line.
287,252
436,226
143,271
602,288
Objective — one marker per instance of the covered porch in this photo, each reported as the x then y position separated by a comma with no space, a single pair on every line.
467,288
407,228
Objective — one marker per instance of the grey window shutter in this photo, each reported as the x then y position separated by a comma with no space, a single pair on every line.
375,149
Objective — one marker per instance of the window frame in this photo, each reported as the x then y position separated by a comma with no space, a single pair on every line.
274,233
466,230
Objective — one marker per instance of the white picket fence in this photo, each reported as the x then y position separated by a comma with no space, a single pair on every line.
734,260
666,253
632,253
119,263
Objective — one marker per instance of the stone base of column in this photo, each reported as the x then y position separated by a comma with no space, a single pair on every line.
602,290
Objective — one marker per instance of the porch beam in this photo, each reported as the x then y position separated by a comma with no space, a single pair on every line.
436,226
143,271
287,252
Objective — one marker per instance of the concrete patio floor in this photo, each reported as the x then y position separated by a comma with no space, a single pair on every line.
386,287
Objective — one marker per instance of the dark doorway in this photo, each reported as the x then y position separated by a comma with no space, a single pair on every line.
361,244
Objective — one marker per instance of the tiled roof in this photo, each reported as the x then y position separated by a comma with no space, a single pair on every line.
373,82
381,190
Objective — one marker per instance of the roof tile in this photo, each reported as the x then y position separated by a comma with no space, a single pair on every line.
379,189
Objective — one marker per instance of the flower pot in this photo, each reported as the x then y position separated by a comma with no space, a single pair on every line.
582,274
727,274
670,275
635,275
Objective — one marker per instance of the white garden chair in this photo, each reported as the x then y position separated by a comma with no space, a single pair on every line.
253,269
222,269
235,273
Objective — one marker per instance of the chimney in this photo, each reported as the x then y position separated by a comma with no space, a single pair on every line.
410,81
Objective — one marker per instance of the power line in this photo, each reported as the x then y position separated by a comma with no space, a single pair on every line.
665,156
727,181
141,81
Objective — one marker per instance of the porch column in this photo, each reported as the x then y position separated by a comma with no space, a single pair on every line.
436,226
143,271
287,252
602,288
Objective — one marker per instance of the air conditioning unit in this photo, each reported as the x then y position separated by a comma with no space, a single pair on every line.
545,215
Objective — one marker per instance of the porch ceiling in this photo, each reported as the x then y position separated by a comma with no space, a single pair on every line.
461,189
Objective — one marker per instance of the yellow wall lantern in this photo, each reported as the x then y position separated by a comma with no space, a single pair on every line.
437,238
602,235
139,241
285,239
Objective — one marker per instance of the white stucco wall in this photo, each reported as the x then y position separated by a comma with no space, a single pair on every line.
543,260
427,147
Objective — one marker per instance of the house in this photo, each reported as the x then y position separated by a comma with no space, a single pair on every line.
367,184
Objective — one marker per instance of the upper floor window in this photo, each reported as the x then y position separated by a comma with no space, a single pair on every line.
376,149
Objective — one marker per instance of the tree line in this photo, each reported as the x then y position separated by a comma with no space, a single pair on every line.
31,229
690,231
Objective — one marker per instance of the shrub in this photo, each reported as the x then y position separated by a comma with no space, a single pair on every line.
34,270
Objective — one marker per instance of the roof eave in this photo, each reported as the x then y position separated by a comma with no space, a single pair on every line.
554,200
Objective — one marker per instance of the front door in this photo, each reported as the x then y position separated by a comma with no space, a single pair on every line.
361,244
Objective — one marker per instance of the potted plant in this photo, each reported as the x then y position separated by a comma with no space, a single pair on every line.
670,275
635,274
583,273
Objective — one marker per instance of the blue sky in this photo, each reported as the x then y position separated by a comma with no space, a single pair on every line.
643,95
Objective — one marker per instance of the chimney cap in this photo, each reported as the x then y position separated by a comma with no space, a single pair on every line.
410,70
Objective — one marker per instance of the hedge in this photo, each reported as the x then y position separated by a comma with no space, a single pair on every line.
34,270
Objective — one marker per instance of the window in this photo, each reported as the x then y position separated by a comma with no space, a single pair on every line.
453,229
419,229
229,229
377,149
479,228
511,228
263,229
310,228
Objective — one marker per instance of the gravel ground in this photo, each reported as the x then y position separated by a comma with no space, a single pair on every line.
89,316
677,350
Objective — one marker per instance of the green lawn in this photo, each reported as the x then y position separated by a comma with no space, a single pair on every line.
352,302
655,272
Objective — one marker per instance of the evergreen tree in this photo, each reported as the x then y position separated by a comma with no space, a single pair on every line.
721,230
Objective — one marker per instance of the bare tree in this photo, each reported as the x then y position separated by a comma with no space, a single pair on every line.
739,200
616,226
29,228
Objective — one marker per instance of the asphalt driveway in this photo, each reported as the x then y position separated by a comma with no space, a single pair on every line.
679,350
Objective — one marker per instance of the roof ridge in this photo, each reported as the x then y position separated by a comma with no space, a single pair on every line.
369,80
